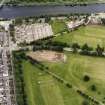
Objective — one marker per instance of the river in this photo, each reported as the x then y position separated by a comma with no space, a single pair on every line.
38,10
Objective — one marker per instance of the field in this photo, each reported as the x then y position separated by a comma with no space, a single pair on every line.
86,73
45,55
92,35
77,66
43,89
58,25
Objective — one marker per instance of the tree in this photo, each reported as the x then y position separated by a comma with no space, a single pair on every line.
93,88
22,55
103,21
86,78
99,50
47,19
68,85
75,47
18,21
86,49
85,102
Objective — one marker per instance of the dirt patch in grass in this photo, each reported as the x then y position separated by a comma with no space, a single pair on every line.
45,55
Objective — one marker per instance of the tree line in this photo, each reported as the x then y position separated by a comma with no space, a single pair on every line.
85,49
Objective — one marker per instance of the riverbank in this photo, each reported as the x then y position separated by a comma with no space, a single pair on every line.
53,3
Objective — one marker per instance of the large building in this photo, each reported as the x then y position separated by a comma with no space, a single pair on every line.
29,33
74,24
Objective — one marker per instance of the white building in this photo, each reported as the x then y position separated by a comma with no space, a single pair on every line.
29,33
5,24
73,24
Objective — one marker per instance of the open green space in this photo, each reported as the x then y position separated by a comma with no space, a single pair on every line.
49,91
77,67
92,35
58,25
43,89
87,73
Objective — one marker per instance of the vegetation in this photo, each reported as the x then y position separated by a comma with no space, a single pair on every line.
99,50
38,84
85,102
52,1
92,35
93,88
19,81
12,32
86,78
58,26
86,73
75,47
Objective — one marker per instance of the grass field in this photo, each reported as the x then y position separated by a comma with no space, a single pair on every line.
43,89
77,66
58,25
51,92
92,35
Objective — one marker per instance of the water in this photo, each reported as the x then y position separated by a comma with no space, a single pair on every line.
23,11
